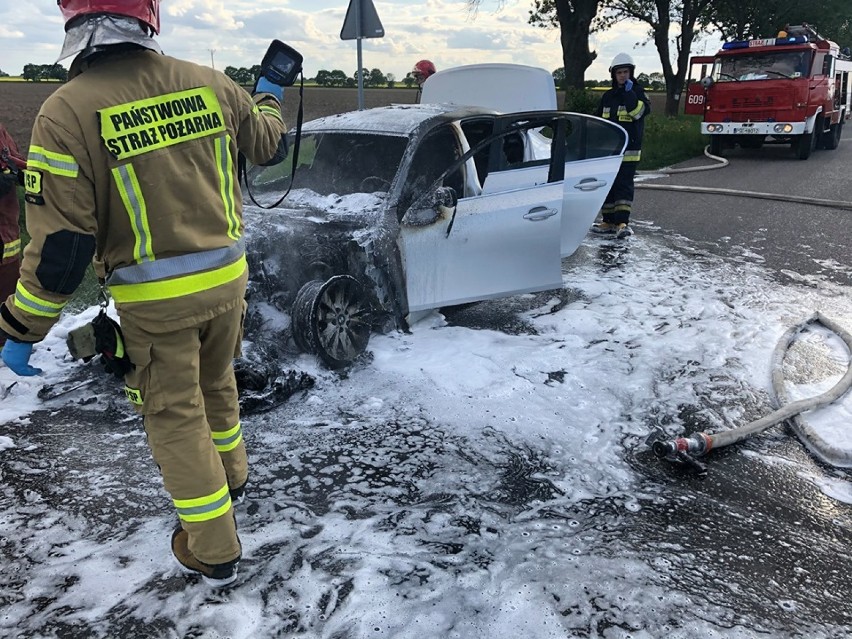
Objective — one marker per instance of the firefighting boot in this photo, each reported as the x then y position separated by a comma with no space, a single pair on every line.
606,228
214,575
622,230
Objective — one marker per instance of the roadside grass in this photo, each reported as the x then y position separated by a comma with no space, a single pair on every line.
671,140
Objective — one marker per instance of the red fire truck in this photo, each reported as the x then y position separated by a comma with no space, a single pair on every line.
793,89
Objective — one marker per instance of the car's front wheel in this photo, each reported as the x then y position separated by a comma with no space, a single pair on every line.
332,319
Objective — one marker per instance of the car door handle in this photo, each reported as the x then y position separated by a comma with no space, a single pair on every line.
590,184
539,213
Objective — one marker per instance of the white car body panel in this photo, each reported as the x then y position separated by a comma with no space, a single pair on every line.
492,249
587,183
507,88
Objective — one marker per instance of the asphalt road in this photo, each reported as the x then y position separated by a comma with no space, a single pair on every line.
807,240
754,550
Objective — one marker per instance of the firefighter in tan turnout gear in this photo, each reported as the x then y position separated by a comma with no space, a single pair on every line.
133,162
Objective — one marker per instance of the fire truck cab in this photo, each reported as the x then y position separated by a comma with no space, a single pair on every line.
792,89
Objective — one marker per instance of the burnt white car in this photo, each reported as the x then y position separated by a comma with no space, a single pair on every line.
400,209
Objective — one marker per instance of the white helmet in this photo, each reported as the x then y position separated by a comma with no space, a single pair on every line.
622,60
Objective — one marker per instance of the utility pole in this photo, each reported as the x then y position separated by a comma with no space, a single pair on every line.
212,51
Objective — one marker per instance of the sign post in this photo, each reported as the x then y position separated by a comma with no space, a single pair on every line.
361,21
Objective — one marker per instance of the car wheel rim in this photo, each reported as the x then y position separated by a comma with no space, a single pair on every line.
332,320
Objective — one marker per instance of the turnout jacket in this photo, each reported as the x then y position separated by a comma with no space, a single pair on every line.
628,109
134,162
10,232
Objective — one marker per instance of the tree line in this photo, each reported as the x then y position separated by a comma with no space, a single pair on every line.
674,25
373,78
39,72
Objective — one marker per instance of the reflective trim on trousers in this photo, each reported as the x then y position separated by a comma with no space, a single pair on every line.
227,440
204,508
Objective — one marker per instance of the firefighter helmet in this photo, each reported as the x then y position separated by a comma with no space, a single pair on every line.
146,11
422,70
622,60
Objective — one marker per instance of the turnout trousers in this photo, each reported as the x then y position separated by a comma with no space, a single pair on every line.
10,270
619,201
183,383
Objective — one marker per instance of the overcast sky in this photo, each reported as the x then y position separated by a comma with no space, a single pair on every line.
237,33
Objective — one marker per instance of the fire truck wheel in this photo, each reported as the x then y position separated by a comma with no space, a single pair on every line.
831,139
806,143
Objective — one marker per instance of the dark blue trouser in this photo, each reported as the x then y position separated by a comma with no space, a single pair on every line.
619,201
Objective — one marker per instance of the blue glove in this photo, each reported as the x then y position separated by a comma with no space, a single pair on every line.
265,86
16,355
628,86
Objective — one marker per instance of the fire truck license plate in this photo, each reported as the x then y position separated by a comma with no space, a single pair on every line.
745,129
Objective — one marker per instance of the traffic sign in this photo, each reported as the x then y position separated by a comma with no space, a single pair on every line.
371,26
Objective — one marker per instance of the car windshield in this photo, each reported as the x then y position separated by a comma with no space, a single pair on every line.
341,163
763,66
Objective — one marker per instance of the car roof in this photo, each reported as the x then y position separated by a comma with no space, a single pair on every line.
396,119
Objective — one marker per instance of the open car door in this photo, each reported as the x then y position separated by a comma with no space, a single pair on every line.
590,149
490,242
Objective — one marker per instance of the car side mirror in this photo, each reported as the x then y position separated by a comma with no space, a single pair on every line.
707,82
440,202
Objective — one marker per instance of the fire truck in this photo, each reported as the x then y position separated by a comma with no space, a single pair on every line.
792,89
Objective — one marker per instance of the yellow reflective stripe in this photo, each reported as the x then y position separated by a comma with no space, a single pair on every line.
28,302
204,508
632,155
606,112
52,162
226,440
271,110
137,211
225,166
179,286
638,111
142,126
255,110
12,248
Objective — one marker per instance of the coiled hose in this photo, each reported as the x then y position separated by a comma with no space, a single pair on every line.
686,449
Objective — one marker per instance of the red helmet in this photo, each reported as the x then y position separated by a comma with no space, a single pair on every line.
146,11
424,68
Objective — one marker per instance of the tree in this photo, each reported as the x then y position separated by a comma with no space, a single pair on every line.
559,77
391,80
323,78
3,74
745,19
376,78
240,75
659,15
408,80
576,20
39,72
339,79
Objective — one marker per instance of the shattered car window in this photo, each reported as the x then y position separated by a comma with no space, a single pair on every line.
340,163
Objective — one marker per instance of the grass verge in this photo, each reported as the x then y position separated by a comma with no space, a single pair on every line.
671,140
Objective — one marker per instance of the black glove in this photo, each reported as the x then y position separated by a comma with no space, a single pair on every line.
109,342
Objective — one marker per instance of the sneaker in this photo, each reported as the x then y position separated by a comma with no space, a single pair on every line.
214,575
622,231
604,227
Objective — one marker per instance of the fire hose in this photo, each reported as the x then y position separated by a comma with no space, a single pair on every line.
685,450
722,162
